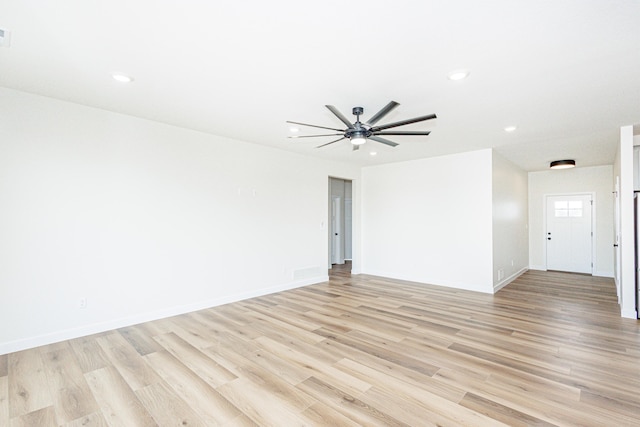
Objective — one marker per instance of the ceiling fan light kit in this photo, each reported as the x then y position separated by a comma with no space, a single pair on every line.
562,164
358,139
358,133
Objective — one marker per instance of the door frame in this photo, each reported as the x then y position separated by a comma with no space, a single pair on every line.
593,224
354,224
617,255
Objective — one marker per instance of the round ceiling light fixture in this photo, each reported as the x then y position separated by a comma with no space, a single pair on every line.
562,164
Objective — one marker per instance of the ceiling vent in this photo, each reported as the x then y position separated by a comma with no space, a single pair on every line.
5,38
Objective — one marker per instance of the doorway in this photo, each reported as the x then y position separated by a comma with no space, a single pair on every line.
340,221
569,234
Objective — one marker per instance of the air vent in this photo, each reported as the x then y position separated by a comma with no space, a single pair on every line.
5,38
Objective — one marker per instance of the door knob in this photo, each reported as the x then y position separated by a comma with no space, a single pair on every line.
548,238
336,234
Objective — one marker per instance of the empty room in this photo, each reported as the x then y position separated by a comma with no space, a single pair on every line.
332,214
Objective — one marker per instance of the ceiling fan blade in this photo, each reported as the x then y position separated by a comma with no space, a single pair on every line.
409,132
355,147
380,114
403,122
330,142
382,140
313,136
314,126
339,115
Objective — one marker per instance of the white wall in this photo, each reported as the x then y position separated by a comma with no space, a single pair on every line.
510,221
430,220
596,179
144,220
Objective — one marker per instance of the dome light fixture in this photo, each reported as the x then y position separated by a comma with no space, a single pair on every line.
562,164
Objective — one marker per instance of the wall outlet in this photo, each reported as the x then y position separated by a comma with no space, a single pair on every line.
82,302
500,274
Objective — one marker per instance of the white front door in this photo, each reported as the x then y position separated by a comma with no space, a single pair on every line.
569,233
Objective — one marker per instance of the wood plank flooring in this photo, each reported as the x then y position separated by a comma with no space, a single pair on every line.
548,349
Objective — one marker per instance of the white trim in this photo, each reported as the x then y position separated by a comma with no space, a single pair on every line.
465,286
604,274
595,273
32,342
509,279
629,314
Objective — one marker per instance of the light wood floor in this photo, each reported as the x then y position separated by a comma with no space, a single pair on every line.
549,349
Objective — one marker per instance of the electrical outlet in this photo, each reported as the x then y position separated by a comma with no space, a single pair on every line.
82,302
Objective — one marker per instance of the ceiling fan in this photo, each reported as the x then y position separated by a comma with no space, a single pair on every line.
358,133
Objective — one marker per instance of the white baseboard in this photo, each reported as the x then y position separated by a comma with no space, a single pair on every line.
603,274
37,341
595,273
629,314
509,279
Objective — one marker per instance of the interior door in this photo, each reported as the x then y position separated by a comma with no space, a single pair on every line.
337,257
569,233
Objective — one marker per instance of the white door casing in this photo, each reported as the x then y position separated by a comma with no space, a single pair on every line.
569,234
616,238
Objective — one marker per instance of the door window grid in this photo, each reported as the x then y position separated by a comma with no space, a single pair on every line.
568,208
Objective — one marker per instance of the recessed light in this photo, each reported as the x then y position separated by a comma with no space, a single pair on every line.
373,153
510,128
458,74
122,78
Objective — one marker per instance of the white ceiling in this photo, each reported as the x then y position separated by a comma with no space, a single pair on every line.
566,73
